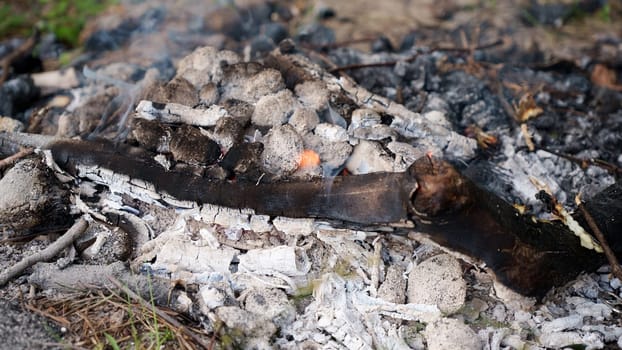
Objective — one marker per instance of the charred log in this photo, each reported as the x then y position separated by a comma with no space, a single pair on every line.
529,255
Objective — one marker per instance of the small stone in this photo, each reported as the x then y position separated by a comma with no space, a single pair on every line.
474,308
394,285
449,333
615,283
30,195
274,109
282,149
438,281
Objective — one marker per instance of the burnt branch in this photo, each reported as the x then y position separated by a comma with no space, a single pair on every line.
616,270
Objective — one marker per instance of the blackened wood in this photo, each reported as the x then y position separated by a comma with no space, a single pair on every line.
528,255
370,199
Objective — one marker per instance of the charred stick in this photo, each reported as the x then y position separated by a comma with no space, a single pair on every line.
616,270
414,57
21,51
48,253
379,198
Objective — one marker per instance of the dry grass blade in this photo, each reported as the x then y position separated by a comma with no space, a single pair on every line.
93,320
173,323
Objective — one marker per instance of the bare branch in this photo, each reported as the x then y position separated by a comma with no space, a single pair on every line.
48,253
8,161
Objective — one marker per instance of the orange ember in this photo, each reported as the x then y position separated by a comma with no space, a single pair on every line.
309,159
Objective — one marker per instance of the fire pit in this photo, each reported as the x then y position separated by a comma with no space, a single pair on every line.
301,192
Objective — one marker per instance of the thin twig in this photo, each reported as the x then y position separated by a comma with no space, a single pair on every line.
585,162
48,253
339,43
159,312
616,270
8,161
413,57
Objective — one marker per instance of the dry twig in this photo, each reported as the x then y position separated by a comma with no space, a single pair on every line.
48,253
8,161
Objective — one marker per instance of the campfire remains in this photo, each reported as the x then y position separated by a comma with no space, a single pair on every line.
251,183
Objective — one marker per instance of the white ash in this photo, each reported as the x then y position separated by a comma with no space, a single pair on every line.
204,65
295,226
175,113
369,157
393,289
250,324
285,260
53,81
363,117
366,124
249,82
274,109
313,94
331,133
332,154
210,298
376,132
272,303
304,120
449,333
405,154
282,149
438,281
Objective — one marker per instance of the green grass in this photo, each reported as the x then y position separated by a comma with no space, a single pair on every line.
64,18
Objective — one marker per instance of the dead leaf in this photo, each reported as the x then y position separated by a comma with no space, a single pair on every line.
605,77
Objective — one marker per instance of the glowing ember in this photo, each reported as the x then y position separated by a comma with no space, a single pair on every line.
309,159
